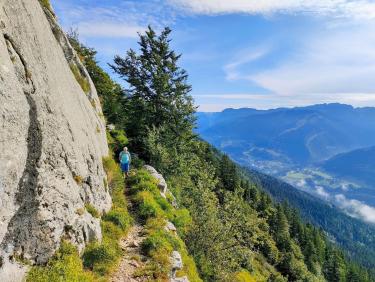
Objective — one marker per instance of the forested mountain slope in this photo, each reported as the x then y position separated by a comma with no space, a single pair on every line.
355,237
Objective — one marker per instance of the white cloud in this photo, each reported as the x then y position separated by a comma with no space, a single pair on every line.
322,193
109,29
361,9
356,208
333,61
121,20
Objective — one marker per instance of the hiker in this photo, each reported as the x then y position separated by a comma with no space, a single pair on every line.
125,159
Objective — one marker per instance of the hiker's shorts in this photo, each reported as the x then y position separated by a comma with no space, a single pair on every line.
125,167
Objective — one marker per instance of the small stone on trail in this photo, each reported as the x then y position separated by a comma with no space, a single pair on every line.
134,244
179,279
170,227
134,263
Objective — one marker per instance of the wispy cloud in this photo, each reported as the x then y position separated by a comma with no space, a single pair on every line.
109,29
333,61
356,208
338,61
243,58
362,9
120,19
322,192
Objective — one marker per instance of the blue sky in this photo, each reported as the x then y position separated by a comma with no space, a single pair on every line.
246,53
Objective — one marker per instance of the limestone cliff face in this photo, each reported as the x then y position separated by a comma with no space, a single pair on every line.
52,139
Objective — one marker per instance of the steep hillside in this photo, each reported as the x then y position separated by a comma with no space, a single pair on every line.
305,146
354,236
52,139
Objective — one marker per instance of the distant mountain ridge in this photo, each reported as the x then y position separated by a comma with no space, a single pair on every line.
358,165
303,135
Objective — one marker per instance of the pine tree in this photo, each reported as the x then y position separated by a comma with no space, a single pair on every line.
228,174
280,229
158,92
335,268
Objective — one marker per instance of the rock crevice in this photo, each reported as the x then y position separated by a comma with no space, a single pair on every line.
26,194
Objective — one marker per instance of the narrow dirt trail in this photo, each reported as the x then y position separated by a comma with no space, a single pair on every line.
132,259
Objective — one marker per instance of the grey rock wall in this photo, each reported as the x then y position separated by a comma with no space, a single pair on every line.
52,140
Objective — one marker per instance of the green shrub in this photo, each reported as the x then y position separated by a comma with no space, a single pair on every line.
111,232
159,245
164,204
119,217
82,81
145,185
142,175
65,265
182,220
137,162
100,257
92,210
157,239
159,248
115,182
244,276
114,176
147,206
117,140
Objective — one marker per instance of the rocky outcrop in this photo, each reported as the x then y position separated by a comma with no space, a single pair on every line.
170,227
176,262
162,184
52,140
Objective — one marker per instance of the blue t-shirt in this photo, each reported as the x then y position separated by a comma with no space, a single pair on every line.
124,157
